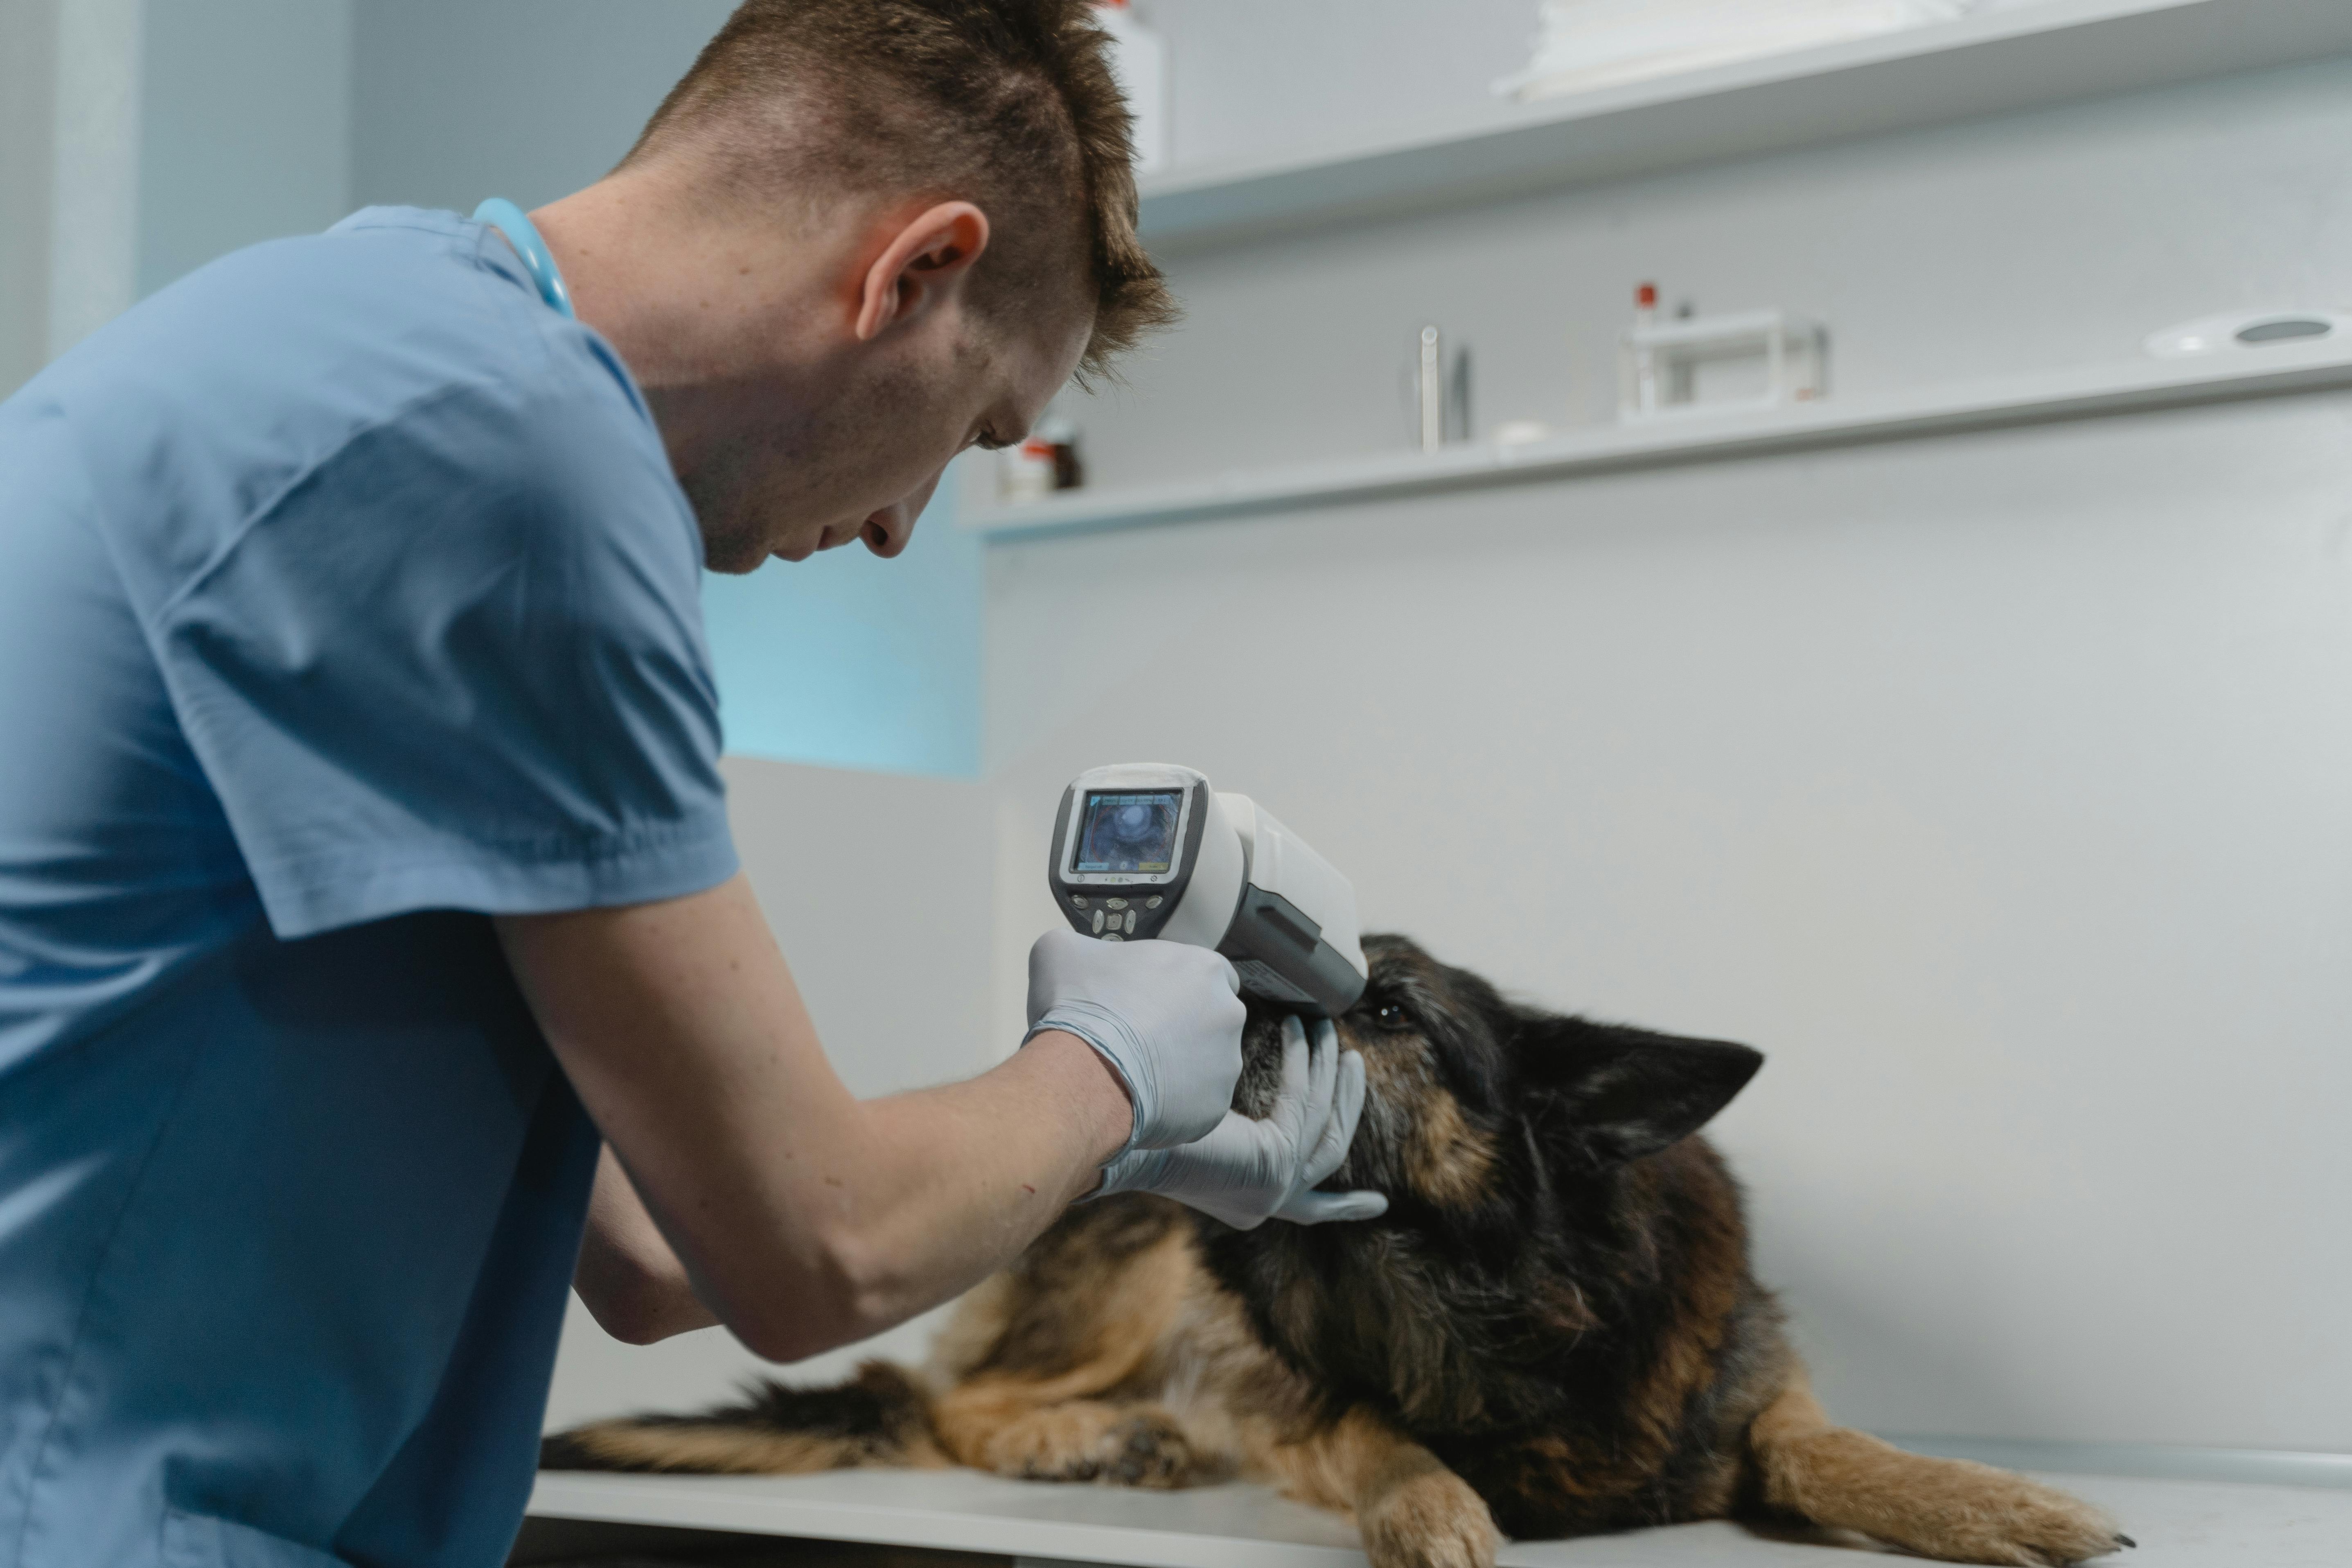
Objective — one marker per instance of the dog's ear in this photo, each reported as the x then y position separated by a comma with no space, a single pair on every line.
1623,1093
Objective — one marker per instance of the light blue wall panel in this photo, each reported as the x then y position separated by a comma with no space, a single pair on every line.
853,661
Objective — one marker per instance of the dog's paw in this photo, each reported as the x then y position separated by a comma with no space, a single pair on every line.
1985,1515
1431,1521
1086,1441
1147,1449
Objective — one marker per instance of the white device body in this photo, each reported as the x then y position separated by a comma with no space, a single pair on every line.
1148,850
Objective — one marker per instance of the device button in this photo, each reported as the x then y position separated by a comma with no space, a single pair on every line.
1114,903
1130,920
1078,900
1153,902
1113,936
1098,923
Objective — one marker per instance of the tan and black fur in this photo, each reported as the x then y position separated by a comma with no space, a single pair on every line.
1553,1330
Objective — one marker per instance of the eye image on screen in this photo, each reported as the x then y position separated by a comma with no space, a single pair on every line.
1129,832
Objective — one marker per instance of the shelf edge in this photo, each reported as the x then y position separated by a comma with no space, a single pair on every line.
1994,63
2103,392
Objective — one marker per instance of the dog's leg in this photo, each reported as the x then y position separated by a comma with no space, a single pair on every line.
1412,1511
1951,1508
1033,1431
1076,1401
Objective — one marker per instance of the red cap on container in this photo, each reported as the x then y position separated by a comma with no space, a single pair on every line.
1646,296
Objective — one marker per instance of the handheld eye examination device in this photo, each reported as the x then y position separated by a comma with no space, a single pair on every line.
1148,850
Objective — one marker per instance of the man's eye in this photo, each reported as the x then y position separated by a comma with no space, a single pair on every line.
988,441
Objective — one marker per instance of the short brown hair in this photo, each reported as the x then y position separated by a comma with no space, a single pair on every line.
1008,104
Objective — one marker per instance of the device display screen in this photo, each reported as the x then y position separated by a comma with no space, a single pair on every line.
1129,831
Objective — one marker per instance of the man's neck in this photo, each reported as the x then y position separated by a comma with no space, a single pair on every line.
690,306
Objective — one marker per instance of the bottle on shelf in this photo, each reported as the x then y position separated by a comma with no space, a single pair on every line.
1044,462
1061,439
1431,384
1441,398
1645,358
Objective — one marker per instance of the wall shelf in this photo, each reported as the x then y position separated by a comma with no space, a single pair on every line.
2000,62
2051,395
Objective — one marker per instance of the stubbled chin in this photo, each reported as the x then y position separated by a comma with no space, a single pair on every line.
801,549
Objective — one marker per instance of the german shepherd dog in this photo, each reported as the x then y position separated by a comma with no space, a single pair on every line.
1553,1330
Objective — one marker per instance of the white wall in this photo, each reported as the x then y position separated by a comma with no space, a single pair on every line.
1994,788
1995,785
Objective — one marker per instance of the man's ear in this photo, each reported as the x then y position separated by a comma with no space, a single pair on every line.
1623,1093
926,260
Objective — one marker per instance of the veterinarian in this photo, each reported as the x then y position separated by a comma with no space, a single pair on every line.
364,864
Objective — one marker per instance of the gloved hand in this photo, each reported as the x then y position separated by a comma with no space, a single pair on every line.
1166,1016
1246,1170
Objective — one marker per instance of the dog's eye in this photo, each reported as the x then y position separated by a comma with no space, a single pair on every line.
1391,1015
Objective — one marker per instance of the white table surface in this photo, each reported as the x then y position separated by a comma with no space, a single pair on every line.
2179,1524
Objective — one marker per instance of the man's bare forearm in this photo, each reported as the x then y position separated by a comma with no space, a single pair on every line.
802,1216
955,1189
912,1199
639,1292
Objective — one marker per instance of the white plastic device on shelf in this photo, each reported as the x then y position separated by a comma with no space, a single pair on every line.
1709,364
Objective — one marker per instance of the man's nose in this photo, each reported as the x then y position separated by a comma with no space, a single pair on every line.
887,532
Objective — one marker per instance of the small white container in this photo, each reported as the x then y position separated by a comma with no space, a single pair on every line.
1024,473
1046,461
2246,332
1138,59
1706,365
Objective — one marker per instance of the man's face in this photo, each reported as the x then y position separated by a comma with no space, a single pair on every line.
860,457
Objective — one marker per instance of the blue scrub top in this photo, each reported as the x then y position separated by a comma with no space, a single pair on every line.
346,598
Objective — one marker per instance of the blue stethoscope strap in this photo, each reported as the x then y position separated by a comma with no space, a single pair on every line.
509,220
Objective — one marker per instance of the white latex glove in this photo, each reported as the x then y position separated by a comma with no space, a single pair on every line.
1248,1171
1165,1015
